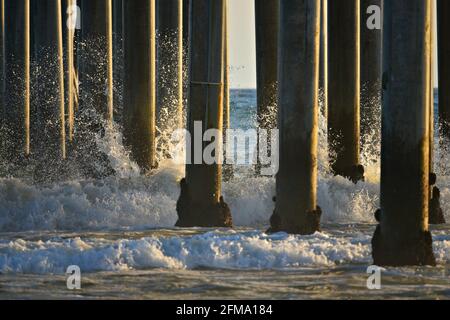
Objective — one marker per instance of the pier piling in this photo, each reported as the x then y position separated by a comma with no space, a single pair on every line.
323,65
371,46
2,67
186,24
17,79
344,88
118,59
69,25
140,81
266,27
169,68
186,43
227,168
201,203
402,237
226,72
443,16
436,214
48,134
96,65
296,202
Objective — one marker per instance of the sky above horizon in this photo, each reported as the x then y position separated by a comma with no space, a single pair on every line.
242,44
243,47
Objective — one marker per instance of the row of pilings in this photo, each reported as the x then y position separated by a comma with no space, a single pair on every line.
103,61
70,66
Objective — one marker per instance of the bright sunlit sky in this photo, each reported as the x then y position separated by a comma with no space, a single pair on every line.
242,44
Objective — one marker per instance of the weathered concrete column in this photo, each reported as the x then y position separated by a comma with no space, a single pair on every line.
186,14
117,27
436,214
169,68
17,79
227,168
118,58
140,81
431,84
443,16
2,65
323,65
226,72
70,23
267,26
403,238
96,65
371,46
48,134
343,88
200,203
186,26
296,208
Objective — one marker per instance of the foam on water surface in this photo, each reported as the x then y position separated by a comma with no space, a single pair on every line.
247,250
130,201
150,202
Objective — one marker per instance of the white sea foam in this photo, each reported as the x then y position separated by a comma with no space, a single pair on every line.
250,250
133,201
130,200
79,205
233,250
143,201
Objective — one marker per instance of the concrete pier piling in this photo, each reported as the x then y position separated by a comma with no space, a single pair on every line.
186,26
140,81
296,208
2,76
436,214
443,16
96,59
186,23
2,66
69,25
17,79
266,27
226,72
227,168
431,84
201,203
344,88
169,68
48,134
118,59
323,65
117,28
371,53
402,237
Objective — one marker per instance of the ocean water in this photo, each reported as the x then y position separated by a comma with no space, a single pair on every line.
119,231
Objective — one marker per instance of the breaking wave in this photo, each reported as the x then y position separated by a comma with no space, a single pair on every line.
129,200
250,250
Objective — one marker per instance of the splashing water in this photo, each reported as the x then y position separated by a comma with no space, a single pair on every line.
128,194
123,223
